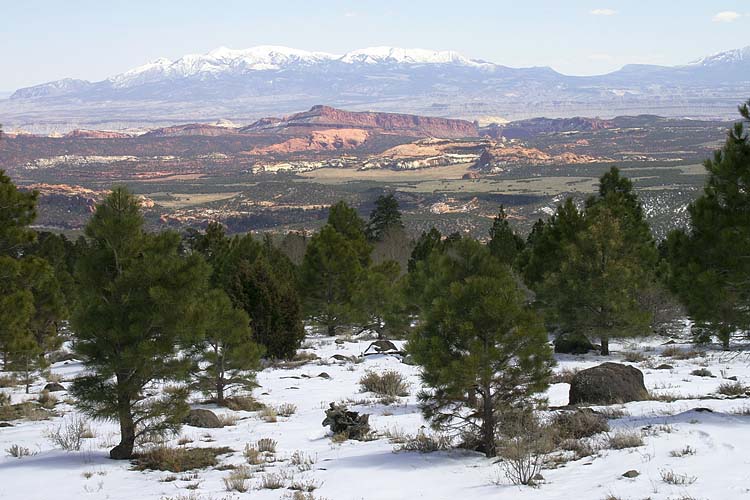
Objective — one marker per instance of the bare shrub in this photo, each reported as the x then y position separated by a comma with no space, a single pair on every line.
633,356
307,485
702,372
425,443
612,412
671,477
46,400
17,451
732,389
252,455
269,414
272,481
266,445
4,399
178,459
581,448
624,439
687,450
286,410
526,442
302,461
228,419
579,424
389,383
243,403
70,434
237,479
678,353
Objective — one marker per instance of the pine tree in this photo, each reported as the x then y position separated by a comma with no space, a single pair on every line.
345,221
426,243
31,303
17,211
481,349
547,241
710,263
385,216
504,243
138,300
227,351
331,268
596,288
379,301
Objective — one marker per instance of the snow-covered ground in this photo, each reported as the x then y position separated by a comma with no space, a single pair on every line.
718,469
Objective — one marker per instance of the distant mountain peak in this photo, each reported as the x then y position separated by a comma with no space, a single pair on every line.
725,57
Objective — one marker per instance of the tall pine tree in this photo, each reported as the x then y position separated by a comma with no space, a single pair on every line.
139,299
710,262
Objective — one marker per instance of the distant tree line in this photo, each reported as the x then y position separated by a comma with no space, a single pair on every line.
199,310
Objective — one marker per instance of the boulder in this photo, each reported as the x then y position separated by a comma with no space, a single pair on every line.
382,347
54,387
608,383
572,343
202,418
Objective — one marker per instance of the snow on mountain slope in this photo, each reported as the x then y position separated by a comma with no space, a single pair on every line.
271,57
728,57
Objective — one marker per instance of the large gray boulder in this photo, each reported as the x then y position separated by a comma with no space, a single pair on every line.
202,418
608,383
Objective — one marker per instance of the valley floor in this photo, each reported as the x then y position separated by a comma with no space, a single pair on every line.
718,469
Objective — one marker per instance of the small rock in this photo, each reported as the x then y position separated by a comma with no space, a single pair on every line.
538,477
53,387
339,341
631,473
341,357
202,418
733,377
703,410
664,367
324,375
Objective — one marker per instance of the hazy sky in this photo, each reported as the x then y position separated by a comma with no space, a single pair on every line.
45,40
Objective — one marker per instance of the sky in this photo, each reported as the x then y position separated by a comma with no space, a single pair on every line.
45,40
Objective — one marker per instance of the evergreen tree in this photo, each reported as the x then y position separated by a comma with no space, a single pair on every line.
547,241
138,300
385,216
504,243
260,280
227,349
379,301
710,263
345,221
481,349
331,268
596,288
17,211
31,303
426,243
271,300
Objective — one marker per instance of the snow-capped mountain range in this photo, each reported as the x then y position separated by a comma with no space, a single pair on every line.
250,83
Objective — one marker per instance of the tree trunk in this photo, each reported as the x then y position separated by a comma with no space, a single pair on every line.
605,346
488,425
331,330
124,450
